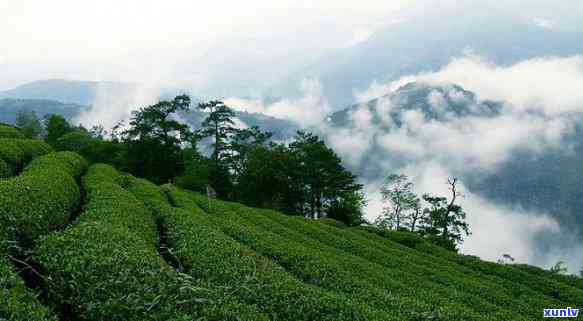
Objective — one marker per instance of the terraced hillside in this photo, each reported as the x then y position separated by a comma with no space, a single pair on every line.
86,242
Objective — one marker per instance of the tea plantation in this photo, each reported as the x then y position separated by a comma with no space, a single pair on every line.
87,242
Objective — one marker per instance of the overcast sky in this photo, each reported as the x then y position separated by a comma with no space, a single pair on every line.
121,39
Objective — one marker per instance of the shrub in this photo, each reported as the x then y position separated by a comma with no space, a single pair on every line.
332,222
42,197
206,253
10,132
5,169
75,141
11,153
521,284
17,152
332,269
107,266
18,303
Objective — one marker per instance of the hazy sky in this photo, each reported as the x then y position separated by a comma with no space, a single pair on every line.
124,39
43,31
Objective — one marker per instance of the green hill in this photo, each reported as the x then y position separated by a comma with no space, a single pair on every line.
86,242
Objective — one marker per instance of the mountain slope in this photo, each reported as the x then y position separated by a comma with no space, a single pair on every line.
67,91
10,107
116,247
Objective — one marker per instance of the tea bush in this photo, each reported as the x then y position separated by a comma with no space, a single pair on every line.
10,132
17,152
5,170
340,272
459,284
42,197
206,253
107,267
509,275
17,302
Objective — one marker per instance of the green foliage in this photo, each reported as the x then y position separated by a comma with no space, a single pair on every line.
15,153
559,268
319,177
10,132
207,254
347,208
18,303
219,126
56,126
197,171
153,140
107,267
334,269
29,124
5,170
266,180
397,191
523,284
11,153
42,197
332,222
75,141
267,284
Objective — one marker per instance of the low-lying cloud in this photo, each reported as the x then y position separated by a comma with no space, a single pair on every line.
308,110
542,99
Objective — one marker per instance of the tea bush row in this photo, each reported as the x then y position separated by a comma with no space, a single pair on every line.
461,286
17,302
10,132
549,287
206,252
42,197
17,152
444,287
107,266
334,270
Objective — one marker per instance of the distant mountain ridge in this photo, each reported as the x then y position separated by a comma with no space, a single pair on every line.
456,101
70,98
66,91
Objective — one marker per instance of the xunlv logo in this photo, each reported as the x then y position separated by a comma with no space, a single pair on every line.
561,313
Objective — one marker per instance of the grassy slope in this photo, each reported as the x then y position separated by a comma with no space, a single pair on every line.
425,279
239,262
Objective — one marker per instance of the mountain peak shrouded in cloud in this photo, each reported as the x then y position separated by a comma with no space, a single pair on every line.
434,102
427,37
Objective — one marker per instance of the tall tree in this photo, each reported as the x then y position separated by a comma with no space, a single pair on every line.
348,208
241,144
559,268
219,126
416,215
154,139
266,180
447,218
29,124
318,174
397,192
55,127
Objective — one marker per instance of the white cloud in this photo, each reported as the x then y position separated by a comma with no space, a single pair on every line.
543,99
308,110
545,23
108,108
